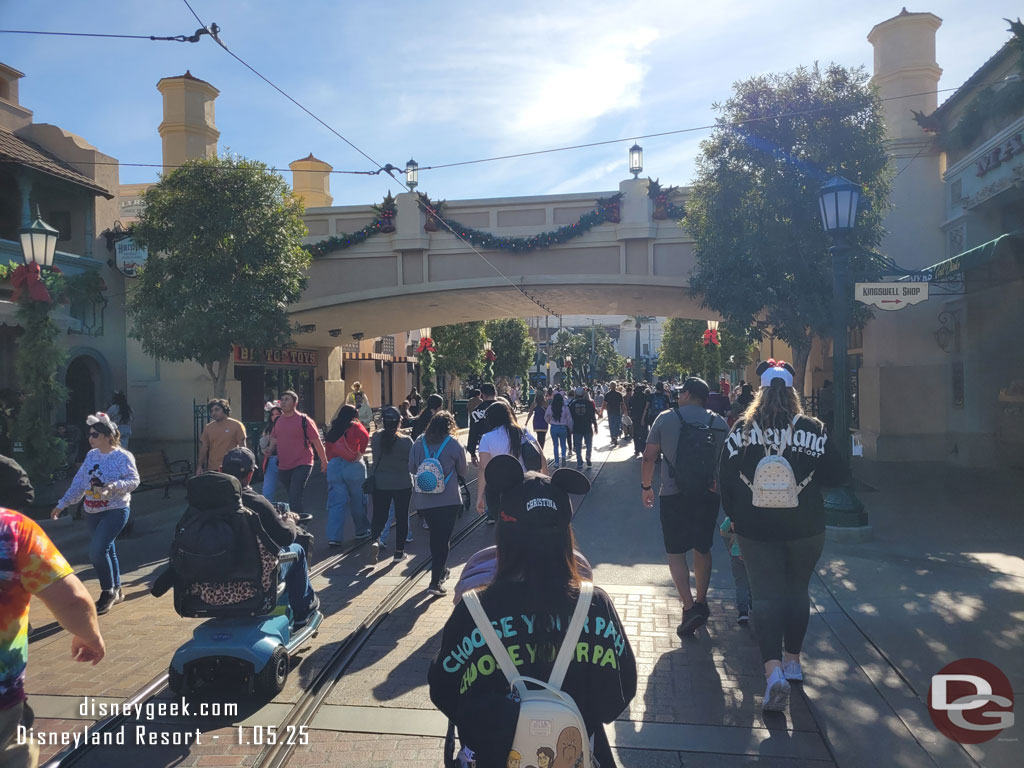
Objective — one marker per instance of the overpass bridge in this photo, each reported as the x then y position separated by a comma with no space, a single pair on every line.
410,278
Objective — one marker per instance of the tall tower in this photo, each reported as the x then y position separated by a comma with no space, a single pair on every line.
188,130
311,181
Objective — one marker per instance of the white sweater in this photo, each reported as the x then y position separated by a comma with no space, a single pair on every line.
118,475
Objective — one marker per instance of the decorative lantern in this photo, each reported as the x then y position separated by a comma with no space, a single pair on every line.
838,200
636,160
412,174
38,242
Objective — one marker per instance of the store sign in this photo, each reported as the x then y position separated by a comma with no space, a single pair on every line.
131,208
1001,154
889,296
129,257
291,357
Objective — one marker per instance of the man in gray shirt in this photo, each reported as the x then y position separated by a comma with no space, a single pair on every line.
688,519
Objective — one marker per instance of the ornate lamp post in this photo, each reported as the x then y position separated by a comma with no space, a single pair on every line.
425,352
489,358
838,200
412,174
636,160
38,242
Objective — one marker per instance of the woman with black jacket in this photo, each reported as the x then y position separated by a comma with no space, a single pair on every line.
780,532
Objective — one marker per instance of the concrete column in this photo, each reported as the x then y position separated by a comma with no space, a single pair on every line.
636,210
409,234
311,181
330,387
90,227
25,187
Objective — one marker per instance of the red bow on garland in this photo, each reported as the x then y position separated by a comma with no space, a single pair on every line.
629,363
774,364
711,337
426,345
27,276
489,356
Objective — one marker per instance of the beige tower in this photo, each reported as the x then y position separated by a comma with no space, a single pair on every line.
311,181
188,130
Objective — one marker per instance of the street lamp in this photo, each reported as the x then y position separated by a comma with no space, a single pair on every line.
425,333
38,242
636,160
712,325
838,200
412,174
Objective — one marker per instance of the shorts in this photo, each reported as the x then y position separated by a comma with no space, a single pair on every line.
689,522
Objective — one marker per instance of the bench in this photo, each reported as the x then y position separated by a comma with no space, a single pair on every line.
155,471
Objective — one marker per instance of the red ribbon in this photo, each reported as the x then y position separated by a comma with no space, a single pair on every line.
774,364
426,345
489,356
27,277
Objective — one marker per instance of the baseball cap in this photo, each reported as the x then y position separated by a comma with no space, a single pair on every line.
390,415
238,462
696,387
580,391
531,499
16,490
487,389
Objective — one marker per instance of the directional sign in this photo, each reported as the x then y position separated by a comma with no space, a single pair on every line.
890,296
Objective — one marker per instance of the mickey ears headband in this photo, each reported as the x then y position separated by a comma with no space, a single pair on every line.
100,418
770,370
504,472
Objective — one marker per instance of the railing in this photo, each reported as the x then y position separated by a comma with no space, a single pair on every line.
10,252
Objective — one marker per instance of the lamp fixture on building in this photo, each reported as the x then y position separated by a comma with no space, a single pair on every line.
38,242
335,332
488,346
948,334
712,325
425,333
838,200
358,336
412,174
636,160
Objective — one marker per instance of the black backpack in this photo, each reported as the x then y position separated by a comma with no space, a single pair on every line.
216,538
693,466
659,403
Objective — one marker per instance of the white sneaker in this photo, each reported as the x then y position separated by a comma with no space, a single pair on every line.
792,671
776,693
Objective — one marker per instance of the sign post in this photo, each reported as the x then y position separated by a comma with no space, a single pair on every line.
891,296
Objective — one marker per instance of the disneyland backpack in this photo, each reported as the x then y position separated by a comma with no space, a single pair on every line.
429,477
774,485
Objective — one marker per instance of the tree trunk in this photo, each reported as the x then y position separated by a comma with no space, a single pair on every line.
219,376
801,352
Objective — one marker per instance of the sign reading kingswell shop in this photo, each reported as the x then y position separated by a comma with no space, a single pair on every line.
891,296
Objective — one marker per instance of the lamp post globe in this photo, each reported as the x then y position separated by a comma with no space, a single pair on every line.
412,174
636,160
838,201
38,242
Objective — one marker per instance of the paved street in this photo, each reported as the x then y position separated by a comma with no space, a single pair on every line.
934,585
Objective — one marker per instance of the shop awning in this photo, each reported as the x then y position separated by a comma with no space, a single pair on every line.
379,356
28,154
977,256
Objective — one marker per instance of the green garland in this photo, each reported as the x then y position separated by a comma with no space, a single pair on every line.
428,374
662,197
606,210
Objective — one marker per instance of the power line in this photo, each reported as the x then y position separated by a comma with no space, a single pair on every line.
194,38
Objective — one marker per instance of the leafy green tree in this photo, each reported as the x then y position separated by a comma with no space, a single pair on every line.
460,348
683,351
512,345
606,363
753,211
226,259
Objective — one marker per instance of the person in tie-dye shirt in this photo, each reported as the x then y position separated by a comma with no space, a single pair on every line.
31,565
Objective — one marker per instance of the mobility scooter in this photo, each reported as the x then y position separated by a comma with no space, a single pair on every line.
225,568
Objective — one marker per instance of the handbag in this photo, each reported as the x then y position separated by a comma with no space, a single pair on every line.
626,421
370,483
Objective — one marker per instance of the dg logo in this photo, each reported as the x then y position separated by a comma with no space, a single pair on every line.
971,701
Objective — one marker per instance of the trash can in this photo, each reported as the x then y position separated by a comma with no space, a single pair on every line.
460,408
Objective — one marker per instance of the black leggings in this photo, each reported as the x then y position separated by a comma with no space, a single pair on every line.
381,504
541,436
442,522
780,572
639,436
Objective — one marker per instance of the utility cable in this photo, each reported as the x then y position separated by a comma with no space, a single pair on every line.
194,38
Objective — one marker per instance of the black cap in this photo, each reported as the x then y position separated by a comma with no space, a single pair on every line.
487,389
532,499
697,387
390,415
16,490
238,462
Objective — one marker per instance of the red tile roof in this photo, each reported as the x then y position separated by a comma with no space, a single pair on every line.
14,149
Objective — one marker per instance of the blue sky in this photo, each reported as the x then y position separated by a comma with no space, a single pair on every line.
453,80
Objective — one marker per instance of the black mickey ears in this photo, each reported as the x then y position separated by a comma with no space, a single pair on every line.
762,367
789,368
503,473
570,481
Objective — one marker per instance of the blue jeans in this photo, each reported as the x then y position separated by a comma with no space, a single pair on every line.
296,580
270,478
615,423
578,438
345,491
560,441
104,527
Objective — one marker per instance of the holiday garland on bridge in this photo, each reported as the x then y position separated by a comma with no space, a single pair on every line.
605,210
664,208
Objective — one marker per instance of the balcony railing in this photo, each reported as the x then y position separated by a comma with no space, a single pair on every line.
72,264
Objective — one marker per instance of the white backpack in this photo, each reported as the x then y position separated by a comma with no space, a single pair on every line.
429,477
775,485
548,718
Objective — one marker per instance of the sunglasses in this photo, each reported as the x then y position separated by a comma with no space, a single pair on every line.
94,434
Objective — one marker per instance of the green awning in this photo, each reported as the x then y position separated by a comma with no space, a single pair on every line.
975,257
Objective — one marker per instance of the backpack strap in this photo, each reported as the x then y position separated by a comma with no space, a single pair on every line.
440,448
508,667
567,652
305,434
